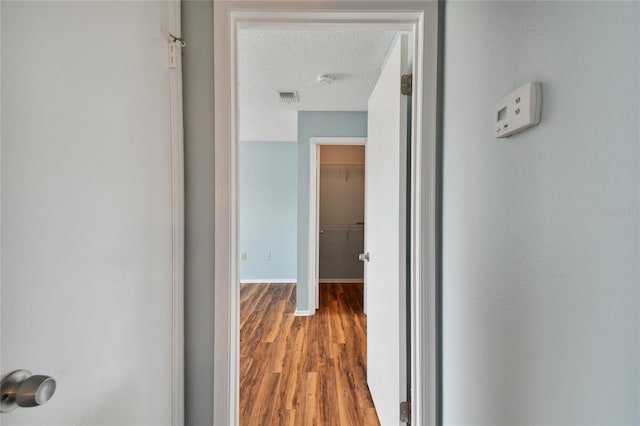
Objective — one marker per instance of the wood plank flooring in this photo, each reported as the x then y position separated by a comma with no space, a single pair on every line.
303,371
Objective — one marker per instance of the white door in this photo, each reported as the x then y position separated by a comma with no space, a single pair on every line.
86,281
385,183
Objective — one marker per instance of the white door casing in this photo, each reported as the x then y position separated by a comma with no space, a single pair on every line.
91,214
385,236
418,16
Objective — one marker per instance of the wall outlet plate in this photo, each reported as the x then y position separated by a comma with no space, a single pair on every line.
519,110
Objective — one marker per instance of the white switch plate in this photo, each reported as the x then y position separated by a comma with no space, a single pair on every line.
519,110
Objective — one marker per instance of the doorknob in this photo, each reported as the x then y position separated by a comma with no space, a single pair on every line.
363,256
21,389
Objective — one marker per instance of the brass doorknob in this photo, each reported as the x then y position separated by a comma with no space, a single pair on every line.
22,389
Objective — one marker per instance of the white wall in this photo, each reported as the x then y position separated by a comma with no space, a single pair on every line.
541,231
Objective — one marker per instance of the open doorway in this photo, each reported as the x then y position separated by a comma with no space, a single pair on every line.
370,65
229,18
341,170
298,365
336,211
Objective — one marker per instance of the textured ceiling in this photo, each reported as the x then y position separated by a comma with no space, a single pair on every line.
272,60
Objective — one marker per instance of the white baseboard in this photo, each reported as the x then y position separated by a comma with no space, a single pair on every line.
300,313
341,280
268,281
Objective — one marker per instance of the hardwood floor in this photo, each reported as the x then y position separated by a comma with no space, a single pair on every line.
303,370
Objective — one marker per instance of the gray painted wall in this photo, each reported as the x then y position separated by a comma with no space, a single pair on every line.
541,242
267,209
197,28
315,124
541,231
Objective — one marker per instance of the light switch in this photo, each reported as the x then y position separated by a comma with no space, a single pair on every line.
519,110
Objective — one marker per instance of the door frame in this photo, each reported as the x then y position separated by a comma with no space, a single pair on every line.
314,213
423,18
177,215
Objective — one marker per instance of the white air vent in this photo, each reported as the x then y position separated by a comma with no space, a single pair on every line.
288,96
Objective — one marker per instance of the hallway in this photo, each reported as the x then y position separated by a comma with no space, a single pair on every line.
303,370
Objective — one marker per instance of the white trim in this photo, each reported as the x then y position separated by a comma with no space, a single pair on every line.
299,313
314,225
341,280
424,224
226,291
420,16
265,141
338,140
177,222
1,228
269,281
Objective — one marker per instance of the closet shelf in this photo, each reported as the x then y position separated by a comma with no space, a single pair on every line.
343,227
341,166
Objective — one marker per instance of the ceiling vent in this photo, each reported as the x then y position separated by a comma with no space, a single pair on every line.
288,96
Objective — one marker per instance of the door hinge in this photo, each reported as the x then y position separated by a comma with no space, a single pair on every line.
173,55
405,412
174,43
406,85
